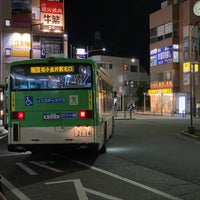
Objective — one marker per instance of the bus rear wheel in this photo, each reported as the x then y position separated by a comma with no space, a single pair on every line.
103,148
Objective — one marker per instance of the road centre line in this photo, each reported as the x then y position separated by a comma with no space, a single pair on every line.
13,189
27,169
169,196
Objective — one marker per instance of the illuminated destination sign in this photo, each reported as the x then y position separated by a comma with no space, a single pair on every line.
52,69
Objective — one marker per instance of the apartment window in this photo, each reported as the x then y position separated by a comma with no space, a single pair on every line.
153,32
110,65
133,68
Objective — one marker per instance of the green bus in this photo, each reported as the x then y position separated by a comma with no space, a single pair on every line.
56,103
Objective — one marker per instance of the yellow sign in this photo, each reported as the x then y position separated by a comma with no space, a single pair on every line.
20,45
187,68
52,69
161,91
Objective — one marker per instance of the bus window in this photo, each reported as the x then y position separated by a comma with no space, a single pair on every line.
22,78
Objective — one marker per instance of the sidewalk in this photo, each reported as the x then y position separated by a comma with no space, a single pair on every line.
127,115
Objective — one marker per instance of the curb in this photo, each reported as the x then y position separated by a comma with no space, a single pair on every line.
125,118
190,135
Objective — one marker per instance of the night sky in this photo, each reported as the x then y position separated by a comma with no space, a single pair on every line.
124,25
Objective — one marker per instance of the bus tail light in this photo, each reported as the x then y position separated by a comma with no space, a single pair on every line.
18,115
85,114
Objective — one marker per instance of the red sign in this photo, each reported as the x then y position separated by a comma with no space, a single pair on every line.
51,7
52,15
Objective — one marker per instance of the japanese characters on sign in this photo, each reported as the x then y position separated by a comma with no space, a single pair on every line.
52,15
51,69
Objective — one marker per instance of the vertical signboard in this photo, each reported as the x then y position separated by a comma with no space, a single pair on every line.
52,15
21,13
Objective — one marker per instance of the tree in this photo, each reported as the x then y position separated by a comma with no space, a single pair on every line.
143,87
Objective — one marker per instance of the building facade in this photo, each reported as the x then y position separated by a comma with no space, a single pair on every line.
126,73
174,55
29,29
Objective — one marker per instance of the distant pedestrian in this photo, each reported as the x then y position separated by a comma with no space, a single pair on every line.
131,107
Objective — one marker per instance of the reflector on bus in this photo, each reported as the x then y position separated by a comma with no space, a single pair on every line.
18,115
85,114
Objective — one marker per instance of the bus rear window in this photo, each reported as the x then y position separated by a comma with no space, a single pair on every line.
51,77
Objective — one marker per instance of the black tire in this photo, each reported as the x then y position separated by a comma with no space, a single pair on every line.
103,148
113,127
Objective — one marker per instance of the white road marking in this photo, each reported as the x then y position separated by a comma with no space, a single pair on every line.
45,166
13,189
2,197
27,169
15,154
78,186
3,137
169,196
81,191
106,196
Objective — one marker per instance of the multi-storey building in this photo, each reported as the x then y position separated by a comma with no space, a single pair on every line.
126,73
29,29
173,51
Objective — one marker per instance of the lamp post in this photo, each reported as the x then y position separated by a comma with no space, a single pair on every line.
191,128
1,43
144,93
31,39
123,86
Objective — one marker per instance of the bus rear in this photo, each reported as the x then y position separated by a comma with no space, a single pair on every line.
53,103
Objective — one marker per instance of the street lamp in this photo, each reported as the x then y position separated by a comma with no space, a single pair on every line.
31,39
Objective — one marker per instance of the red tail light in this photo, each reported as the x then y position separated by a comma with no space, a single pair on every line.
18,115
85,114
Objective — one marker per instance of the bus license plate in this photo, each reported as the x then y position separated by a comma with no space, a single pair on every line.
82,132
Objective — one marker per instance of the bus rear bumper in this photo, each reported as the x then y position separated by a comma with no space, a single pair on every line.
51,147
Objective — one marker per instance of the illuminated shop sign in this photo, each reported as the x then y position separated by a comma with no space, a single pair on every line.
153,57
161,91
187,68
20,45
165,55
51,69
52,15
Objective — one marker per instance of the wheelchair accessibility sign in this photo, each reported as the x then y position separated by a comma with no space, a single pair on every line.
28,100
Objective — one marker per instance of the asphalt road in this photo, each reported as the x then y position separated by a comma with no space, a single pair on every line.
148,158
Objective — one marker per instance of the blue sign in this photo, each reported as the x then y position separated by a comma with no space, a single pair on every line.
51,100
28,100
165,55
69,115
